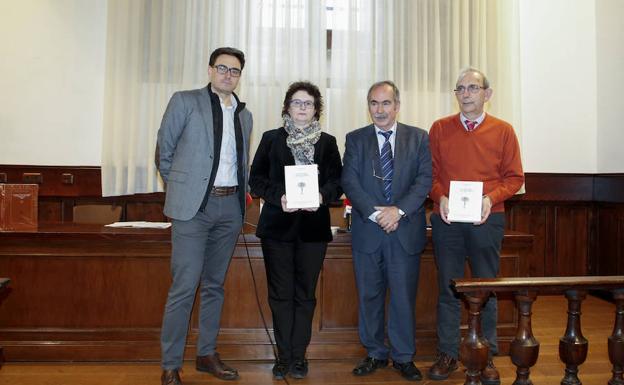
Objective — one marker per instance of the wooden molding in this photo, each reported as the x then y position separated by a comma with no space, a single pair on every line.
85,181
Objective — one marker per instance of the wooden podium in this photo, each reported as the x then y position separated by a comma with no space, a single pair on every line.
18,207
94,293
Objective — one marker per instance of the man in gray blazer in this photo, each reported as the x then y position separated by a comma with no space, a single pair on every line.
203,155
386,176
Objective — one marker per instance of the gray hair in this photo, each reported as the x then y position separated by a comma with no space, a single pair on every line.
486,82
395,89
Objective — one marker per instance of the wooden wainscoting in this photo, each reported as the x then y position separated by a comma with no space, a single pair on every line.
577,219
100,297
89,293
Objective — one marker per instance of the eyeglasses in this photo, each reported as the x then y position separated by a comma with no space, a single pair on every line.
300,103
473,89
235,72
377,176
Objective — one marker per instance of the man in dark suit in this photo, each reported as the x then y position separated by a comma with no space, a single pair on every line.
203,155
386,176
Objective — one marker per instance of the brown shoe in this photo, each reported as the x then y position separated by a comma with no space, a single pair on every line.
442,367
212,364
489,375
170,377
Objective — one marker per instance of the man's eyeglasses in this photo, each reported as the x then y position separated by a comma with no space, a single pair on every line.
473,89
235,72
378,176
300,103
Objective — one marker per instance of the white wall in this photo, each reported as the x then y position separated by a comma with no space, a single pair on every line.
558,81
610,59
52,56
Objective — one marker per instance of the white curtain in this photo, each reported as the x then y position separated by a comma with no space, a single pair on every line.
421,45
157,47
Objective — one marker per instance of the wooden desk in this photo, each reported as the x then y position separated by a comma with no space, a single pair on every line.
86,292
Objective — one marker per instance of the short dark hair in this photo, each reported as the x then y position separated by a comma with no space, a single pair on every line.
311,89
395,89
237,53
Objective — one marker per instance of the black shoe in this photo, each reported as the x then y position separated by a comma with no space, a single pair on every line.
408,370
280,370
369,365
299,369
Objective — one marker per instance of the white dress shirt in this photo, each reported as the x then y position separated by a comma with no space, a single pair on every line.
478,120
227,171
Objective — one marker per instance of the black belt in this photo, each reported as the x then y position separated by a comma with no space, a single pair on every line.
221,191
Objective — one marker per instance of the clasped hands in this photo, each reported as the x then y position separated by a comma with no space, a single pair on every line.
388,218
311,209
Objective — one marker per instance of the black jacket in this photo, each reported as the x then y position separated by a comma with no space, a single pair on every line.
266,180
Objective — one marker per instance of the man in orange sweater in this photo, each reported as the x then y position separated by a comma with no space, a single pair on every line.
470,146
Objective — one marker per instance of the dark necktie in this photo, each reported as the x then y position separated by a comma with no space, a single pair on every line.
387,165
470,125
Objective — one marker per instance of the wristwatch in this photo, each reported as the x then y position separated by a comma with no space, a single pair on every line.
402,213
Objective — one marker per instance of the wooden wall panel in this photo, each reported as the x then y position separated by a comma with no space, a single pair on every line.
78,291
551,187
145,211
572,240
92,293
50,211
618,252
427,300
609,256
577,221
240,310
609,188
562,236
532,219
534,212
86,180
338,296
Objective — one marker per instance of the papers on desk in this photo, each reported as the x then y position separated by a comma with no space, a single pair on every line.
142,225
302,190
465,199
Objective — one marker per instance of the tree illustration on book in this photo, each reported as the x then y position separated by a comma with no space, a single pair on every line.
301,185
465,200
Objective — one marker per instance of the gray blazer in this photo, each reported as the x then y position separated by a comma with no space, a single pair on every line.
410,185
186,151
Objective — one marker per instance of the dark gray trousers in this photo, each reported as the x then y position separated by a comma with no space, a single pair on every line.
454,244
202,248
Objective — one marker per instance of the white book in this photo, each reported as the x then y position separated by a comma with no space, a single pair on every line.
302,189
465,199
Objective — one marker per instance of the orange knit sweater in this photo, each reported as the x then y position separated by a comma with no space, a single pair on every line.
490,154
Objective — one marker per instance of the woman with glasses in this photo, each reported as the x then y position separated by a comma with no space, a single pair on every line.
294,241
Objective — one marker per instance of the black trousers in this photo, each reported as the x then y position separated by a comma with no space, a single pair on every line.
292,270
